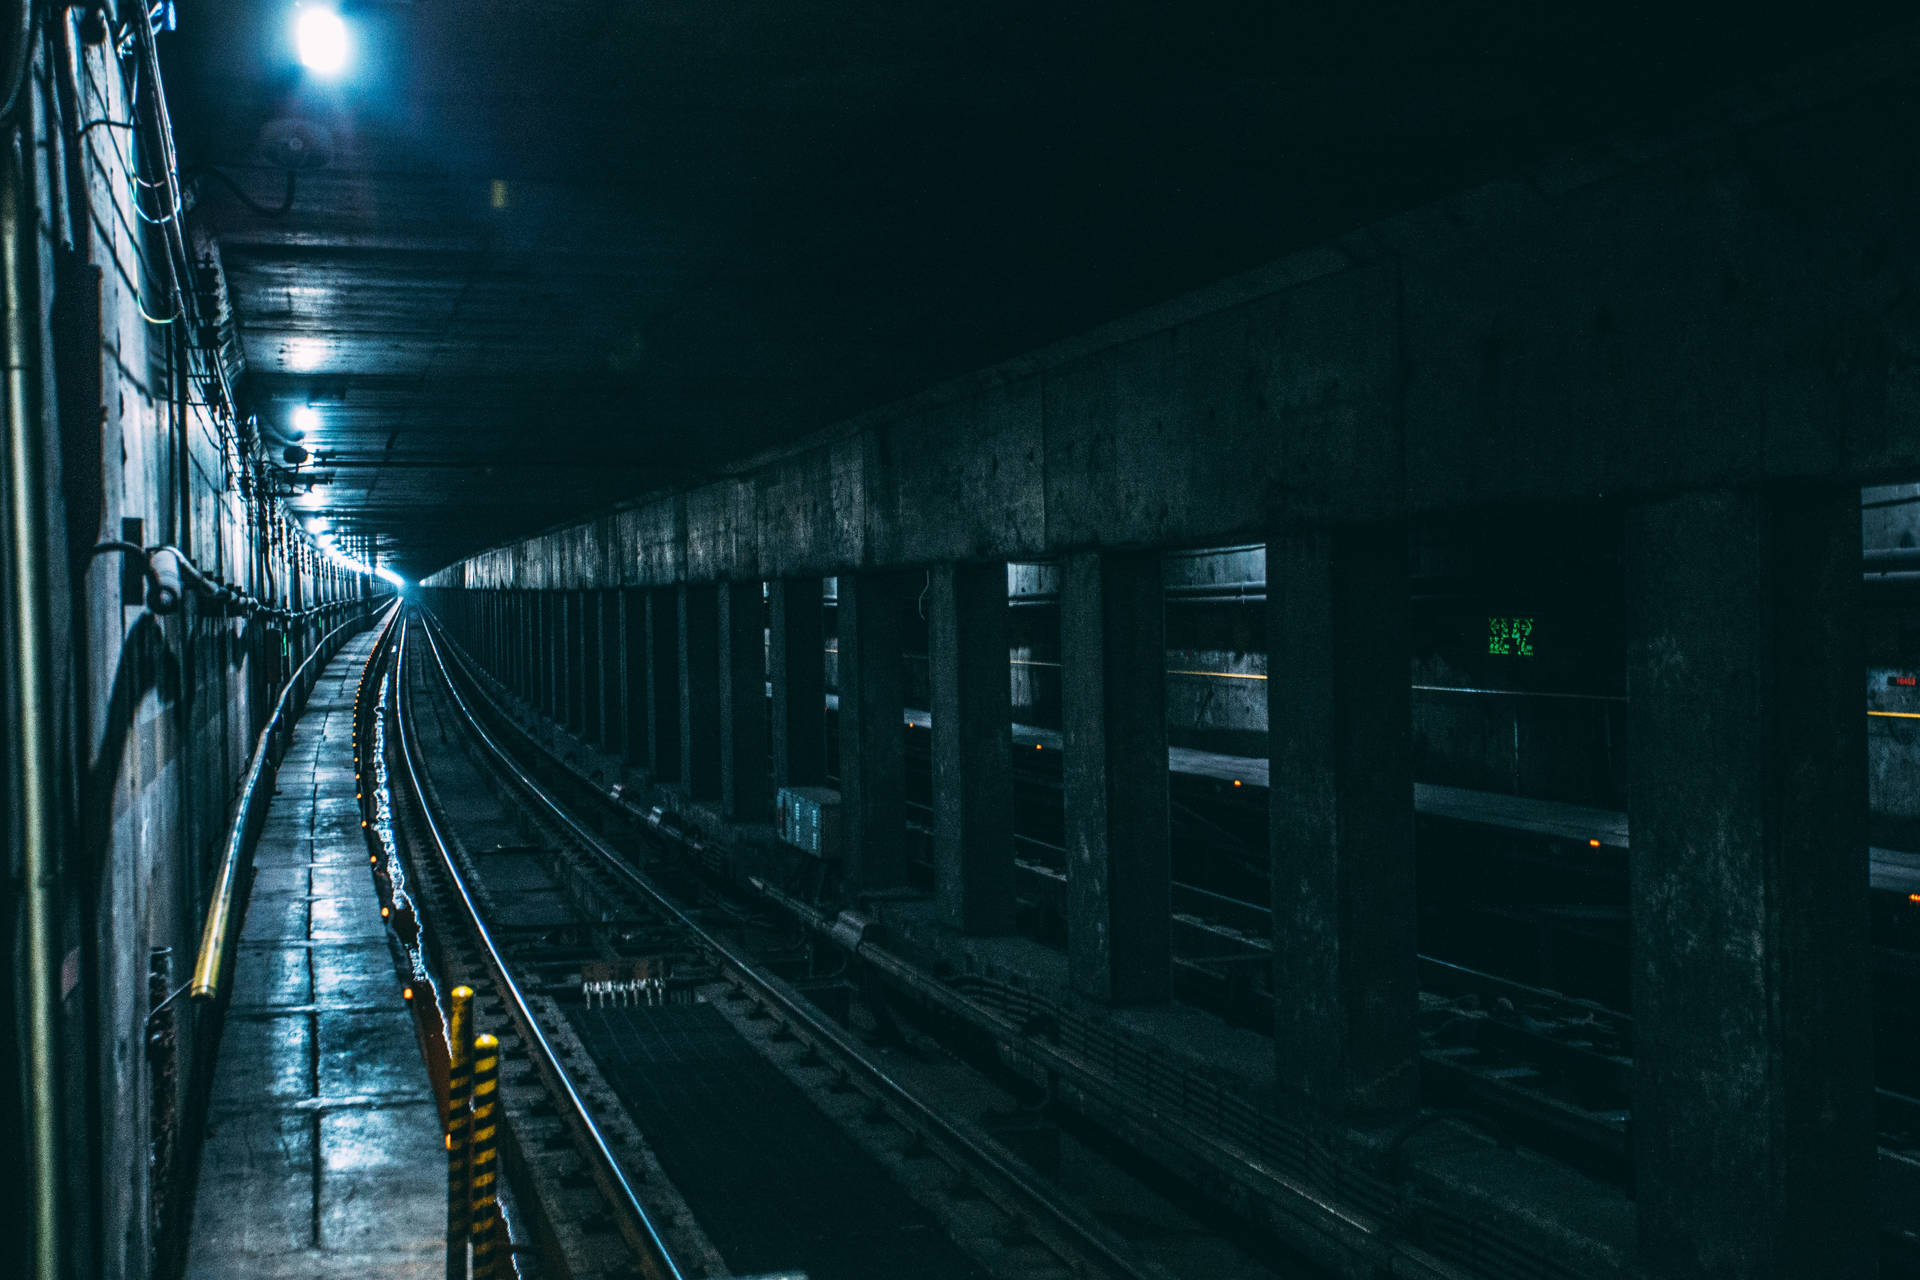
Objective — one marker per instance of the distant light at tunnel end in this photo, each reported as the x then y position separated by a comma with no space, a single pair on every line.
321,39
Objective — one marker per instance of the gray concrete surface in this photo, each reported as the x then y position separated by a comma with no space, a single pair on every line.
324,1152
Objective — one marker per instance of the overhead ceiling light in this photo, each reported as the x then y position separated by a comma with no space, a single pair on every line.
305,354
321,39
319,524
304,418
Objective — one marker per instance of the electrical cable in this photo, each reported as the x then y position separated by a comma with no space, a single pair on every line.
18,67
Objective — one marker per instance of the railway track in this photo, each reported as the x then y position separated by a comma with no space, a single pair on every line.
668,1074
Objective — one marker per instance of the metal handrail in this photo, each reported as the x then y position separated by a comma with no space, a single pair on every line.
614,1177
210,967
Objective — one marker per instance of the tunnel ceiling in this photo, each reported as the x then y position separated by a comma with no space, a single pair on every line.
544,255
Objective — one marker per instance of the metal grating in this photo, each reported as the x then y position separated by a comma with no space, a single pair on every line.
774,1183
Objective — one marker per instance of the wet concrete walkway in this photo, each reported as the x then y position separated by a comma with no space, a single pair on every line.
324,1153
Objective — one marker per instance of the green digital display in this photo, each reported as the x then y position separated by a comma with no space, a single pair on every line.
1510,637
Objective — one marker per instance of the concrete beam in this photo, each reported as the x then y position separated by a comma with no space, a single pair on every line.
1599,327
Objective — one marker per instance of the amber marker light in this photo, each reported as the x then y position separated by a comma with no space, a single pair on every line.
1236,782
385,912
1593,844
406,993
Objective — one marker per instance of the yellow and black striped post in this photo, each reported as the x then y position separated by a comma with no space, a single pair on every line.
489,1241
459,1095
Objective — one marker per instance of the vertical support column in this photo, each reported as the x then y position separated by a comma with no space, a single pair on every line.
577,661
613,632
1341,822
699,690
496,633
563,664
872,736
972,747
663,685
592,726
1113,651
523,644
530,646
743,702
546,665
562,656
633,627
613,670
1753,1070
797,669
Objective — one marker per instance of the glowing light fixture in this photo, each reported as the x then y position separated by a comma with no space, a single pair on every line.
304,418
322,41
319,524
392,577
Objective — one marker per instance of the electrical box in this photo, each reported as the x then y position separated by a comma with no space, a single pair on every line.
808,818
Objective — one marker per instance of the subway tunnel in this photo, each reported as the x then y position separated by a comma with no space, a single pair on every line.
843,640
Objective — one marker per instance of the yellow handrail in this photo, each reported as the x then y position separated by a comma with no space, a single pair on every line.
210,968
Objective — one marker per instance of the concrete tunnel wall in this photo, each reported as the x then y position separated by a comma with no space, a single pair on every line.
157,714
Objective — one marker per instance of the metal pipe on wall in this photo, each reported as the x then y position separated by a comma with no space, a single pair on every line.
28,594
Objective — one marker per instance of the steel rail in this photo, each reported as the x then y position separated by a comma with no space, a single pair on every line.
1036,1197
209,969
612,1177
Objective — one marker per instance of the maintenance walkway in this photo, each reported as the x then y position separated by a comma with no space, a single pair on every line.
324,1153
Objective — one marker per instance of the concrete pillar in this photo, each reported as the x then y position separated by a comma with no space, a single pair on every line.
743,703
1341,822
699,689
577,661
872,737
796,667
1113,651
633,628
972,747
592,726
549,655
1753,1130
565,625
614,628
523,642
613,670
662,627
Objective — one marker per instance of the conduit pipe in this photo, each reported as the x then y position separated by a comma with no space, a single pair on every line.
28,595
